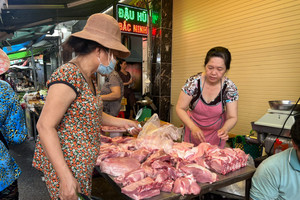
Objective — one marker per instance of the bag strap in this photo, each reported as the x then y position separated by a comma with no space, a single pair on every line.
195,98
3,140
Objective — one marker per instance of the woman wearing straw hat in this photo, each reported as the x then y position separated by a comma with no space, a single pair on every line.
12,131
69,125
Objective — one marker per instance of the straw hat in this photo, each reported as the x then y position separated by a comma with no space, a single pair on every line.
4,62
105,30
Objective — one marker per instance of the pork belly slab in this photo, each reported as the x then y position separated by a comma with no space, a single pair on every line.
142,189
119,166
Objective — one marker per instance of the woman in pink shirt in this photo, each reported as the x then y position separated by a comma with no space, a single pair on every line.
207,104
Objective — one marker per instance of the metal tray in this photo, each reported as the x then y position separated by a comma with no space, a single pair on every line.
144,102
284,105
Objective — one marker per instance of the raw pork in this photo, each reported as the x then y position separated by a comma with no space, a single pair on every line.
201,174
119,166
186,185
142,189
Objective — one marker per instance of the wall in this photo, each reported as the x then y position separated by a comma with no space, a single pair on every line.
263,37
161,60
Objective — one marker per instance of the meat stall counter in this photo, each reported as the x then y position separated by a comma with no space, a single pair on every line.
157,165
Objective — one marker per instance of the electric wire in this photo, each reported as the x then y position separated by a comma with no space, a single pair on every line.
293,108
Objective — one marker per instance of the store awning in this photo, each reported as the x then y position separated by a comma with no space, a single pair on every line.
25,54
25,35
18,14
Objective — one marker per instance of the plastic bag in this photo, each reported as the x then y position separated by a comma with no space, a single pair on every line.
151,124
153,136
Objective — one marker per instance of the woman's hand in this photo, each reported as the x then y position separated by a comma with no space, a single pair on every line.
132,126
223,134
69,187
197,134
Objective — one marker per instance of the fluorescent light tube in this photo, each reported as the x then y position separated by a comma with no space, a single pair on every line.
78,3
35,6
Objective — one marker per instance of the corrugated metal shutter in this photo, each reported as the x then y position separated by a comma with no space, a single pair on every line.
263,37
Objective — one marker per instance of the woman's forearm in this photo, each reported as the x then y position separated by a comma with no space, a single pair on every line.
110,97
230,123
231,115
108,120
126,83
114,95
185,118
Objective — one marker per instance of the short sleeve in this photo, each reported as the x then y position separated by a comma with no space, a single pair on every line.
14,126
191,85
68,74
264,186
115,80
231,92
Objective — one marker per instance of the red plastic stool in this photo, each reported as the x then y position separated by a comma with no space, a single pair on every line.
121,114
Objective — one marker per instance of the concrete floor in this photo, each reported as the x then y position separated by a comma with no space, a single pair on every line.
32,187
30,182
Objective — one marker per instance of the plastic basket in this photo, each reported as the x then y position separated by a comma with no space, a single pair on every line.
255,150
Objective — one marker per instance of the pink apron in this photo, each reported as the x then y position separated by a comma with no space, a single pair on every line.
209,118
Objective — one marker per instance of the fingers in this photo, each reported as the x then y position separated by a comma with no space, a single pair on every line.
69,190
223,134
198,135
201,137
133,127
134,130
78,188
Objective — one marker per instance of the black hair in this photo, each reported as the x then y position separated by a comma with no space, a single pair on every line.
81,46
220,52
295,132
118,65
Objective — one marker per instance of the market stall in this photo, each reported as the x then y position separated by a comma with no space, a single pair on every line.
33,103
158,165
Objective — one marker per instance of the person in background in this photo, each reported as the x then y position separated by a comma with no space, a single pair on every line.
208,102
111,93
69,125
278,176
127,81
2,77
12,131
8,79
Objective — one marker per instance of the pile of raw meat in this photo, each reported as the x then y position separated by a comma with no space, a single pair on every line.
143,171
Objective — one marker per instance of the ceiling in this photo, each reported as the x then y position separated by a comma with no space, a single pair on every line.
19,14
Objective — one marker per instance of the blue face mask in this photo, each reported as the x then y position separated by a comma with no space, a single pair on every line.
102,69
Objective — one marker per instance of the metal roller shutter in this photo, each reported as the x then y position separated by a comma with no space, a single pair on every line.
263,37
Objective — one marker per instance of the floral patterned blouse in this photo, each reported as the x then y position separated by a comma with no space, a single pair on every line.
230,91
13,129
79,132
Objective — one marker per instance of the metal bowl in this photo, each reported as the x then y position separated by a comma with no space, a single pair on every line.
284,105
144,102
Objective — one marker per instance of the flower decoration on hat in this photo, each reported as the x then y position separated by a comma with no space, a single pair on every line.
4,62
